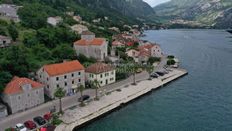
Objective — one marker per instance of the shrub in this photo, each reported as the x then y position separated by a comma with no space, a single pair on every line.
171,62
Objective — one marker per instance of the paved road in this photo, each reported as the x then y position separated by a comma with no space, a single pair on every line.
67,102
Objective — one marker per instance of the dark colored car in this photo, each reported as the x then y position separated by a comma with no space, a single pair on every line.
40,120
48,116
154,75
160,73
84,98
30,125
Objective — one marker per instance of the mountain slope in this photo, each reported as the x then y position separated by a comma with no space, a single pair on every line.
206,12
129,8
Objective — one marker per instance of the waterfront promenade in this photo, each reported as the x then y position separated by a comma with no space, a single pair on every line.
77,116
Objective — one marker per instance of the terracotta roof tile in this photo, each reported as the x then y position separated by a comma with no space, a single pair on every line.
63,68
99,68
14,86
95,41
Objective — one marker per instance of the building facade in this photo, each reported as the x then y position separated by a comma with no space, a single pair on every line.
9,12
54,20
78,28
3,111
91,46
103,73
5,41
67,75
22,93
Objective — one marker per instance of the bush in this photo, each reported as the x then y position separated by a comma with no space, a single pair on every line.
171,57
171,62
152,60
56,120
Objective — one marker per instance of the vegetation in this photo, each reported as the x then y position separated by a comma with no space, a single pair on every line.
171,62
81,89
96,85
60,93
152,60
56,120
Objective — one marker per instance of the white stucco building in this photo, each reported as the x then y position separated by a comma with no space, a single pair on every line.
91,46
22,93
68,75
103,73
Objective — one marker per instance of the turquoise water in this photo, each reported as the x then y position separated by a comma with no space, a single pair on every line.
201,101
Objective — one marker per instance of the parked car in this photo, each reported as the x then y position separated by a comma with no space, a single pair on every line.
47,116
84,98
40,120
20,127
30,125
160,73
154,75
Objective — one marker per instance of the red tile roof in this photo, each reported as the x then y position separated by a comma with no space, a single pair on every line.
99,68
14,86
63,68
95,41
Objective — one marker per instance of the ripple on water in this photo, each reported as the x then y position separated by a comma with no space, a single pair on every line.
200,101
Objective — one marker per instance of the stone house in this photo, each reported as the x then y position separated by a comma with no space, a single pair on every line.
9,12
3,111
5,41
91,46
22,93
104,73
78,28
54,20
68,75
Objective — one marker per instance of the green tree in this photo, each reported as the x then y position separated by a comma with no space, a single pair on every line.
5,77
81,89
63,51
96,85
60,93
149,69
13,32
16,61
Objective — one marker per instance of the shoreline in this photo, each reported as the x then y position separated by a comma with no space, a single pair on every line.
73,120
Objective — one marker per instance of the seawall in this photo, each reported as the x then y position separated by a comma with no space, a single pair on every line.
80,116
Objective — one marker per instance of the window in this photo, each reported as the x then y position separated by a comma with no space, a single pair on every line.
65,77
72,75
101,75
65,84
28,95
79,73
57,78
101,82
72,82
40,76
47,79
112,72
48,86
79,80
37,92
19,97
57,85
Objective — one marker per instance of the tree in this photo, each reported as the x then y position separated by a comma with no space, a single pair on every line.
5,77
81,89
60,93
13,32
135,67
63,51
149,69
96,85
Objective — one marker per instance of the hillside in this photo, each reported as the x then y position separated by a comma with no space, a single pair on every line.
214,13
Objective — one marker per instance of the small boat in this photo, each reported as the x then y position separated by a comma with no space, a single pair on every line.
230,31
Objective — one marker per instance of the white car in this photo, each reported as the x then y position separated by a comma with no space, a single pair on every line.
20,127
